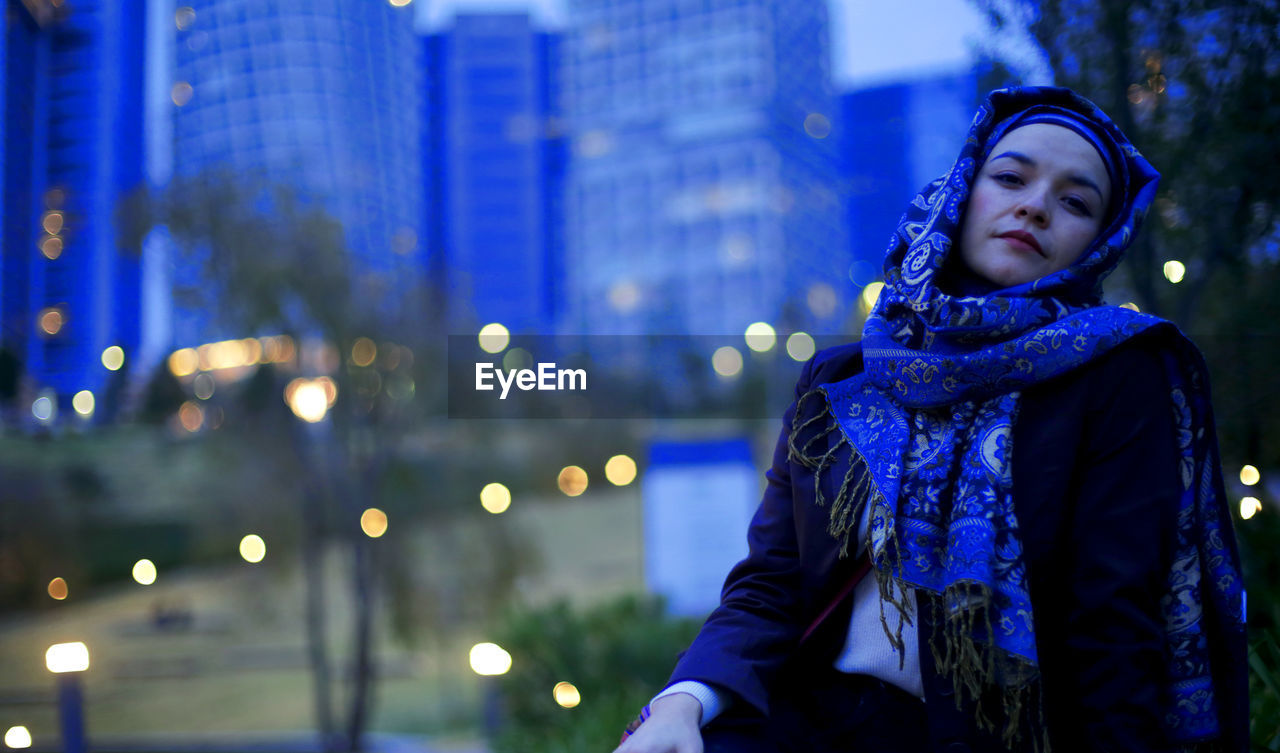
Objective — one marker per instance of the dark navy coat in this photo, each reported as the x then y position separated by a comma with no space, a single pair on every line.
1095,493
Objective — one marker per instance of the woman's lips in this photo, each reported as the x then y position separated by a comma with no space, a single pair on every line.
1023,241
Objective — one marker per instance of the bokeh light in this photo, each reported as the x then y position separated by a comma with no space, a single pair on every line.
83,403
190,416
490,659
252,350
870,294
286,349
1130,305
566,694
330,389
113,358
817,125
800,346
51,247
58,589
181,93
252,548
1174,271
572,480
308,399
620,470
1249,506
373,522
517,358
52,222
495,498
760,337
1249,475
203,386
821,299
399,3
17,737
363,351
43,408
67,657
494,338
727,361
51,321
184,362
624,296
184,17
144,571
738,248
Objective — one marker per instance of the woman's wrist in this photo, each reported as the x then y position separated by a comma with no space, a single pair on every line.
681,706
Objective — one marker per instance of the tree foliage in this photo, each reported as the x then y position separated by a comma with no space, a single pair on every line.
258,256
1196,86
614,654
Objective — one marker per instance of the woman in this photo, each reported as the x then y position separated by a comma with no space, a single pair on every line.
1029,476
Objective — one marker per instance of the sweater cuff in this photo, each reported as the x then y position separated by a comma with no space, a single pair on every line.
713,701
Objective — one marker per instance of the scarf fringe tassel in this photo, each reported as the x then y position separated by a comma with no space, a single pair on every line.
969,663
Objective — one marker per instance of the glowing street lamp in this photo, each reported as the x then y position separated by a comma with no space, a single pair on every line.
17,737
489,659
68,661
310,399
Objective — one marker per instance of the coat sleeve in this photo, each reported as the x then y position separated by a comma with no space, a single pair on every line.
1119,544
748,637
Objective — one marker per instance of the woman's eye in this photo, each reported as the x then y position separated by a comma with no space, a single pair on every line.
1078,205
1012,179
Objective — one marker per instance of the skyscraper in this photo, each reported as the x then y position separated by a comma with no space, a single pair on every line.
72,149
896,137
496,165
319,95
701,194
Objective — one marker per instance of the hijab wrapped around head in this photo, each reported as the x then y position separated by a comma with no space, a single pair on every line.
929,424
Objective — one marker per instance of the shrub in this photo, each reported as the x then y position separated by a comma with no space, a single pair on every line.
617,655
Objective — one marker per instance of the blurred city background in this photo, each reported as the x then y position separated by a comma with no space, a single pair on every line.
243,242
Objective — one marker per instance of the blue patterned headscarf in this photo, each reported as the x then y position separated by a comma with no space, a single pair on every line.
944,367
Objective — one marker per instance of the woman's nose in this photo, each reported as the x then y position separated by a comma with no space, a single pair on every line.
1033,207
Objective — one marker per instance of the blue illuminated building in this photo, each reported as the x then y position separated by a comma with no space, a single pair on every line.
896,137
72,92
495,161
702,192
323,97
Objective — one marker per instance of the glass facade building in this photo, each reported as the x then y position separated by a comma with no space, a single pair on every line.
495,160
702,191
72,148
319,95
895,138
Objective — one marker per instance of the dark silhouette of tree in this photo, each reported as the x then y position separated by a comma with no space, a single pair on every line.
161,397
1196,85
10,376
272,259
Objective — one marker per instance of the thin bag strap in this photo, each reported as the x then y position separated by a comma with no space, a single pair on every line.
859,572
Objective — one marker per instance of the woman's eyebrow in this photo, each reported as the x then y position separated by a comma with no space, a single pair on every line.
1079,180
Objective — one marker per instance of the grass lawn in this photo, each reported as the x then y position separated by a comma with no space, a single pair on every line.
239,664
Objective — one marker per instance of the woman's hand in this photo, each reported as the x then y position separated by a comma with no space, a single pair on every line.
672,727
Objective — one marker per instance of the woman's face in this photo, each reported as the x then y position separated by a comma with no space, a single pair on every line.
1036,205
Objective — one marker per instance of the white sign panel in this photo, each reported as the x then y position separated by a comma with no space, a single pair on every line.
698,501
